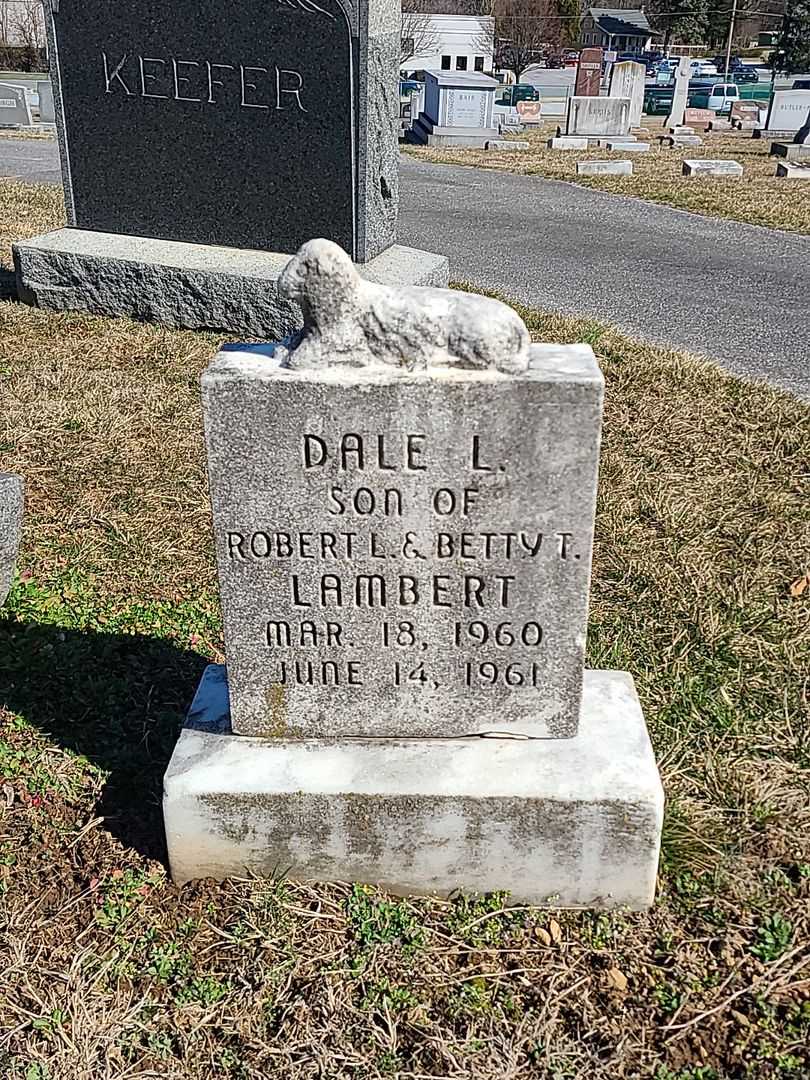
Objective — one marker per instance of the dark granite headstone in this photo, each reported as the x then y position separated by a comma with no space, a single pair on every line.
589,73
229,124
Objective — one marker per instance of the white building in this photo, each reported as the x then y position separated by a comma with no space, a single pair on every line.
448,42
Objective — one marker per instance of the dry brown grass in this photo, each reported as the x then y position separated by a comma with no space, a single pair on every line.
27,210
758,198
108,971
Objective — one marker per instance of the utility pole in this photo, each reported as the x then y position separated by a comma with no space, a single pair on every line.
730,36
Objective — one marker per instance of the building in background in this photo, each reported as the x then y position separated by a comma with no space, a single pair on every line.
623,29
446,35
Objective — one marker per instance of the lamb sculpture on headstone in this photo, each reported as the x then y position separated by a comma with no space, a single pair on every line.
348,320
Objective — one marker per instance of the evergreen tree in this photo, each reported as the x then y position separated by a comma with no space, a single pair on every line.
793,47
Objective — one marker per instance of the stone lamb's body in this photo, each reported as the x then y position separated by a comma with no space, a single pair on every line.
348,320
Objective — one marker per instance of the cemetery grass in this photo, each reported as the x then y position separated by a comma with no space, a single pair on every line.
700,590
757,198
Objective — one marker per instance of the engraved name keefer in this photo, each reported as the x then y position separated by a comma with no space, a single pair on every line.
170,78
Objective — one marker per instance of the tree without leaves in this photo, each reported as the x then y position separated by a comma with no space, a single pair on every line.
523,32
418,36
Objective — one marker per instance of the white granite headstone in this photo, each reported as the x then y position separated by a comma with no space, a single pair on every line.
788,110
627,81
598,116
679,100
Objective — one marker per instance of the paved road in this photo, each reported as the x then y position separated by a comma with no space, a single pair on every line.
36,160
737,293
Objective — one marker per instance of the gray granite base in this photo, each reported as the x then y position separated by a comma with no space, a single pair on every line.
189,286
556,822
12,501
425,133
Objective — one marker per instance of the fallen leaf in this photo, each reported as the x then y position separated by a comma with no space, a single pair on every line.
555,930
8,791
542,935
799,585
617,980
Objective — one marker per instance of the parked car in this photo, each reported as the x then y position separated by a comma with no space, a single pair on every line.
746,74
519,92
702,67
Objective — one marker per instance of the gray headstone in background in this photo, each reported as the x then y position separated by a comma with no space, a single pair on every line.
627,81
11,520
255,124
679,99
14,109
47,114
598,116
458,110
405,553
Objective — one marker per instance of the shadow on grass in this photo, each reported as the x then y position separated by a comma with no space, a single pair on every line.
8,284
117,699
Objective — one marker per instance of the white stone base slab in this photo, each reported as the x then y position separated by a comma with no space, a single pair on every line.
556,822
604,168
792,171
722,168
190,286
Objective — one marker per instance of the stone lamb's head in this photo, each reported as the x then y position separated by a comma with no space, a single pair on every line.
321,278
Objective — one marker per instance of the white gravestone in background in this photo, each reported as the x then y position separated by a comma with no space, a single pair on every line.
627,81
47,114
679,99
14,110
788,110
598,116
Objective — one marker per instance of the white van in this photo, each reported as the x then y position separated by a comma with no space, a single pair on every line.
721,95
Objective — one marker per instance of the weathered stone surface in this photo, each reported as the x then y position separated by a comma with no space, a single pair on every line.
604,168
792,171
624,146
568,142
506,144
627,81
679,98
14,110
791,151
680,140
598,116
682,129
299,99
11,520
183,285
706,167
563,823
439,526
356,323
719,125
